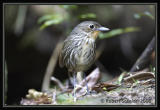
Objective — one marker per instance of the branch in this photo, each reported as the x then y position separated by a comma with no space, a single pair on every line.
58,82
145,56
51,66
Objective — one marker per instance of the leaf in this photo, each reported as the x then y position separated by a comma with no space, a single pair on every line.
91,80
87,15
50,20
130,29
43,18
146,13
120,78
116,32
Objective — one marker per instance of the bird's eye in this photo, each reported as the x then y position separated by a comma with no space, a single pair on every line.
91,26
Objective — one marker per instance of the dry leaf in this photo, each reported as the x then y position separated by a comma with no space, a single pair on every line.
91,80
105,86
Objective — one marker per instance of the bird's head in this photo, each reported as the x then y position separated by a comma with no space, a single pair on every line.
91,28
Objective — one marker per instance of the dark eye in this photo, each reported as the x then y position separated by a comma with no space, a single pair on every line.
91,26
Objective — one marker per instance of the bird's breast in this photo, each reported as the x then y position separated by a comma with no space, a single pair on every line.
79,54
94,34
87,53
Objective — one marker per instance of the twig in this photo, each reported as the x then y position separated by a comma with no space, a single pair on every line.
57,82
145,56
132,73
139,76
51,66
54,97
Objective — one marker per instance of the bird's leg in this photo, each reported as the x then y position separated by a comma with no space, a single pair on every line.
71,83
74,83
79,77
86,83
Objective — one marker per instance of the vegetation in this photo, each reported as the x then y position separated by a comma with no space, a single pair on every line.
125,55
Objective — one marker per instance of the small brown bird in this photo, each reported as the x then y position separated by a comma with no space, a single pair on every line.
78,51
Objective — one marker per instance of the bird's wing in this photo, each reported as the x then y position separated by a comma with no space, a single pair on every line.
61,64
61,60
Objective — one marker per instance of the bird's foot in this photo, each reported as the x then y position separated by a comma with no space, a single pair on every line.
74,92
81,91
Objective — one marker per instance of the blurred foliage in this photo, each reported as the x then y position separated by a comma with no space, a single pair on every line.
69,6
55,18
135,81
152,69
87,16
65,98
50,19
146,13
120,78
104,88
116,32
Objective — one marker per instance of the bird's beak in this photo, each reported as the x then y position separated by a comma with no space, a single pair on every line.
102,29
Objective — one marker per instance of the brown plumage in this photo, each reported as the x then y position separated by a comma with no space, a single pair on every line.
78,51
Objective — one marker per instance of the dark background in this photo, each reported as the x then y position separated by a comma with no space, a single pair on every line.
28,49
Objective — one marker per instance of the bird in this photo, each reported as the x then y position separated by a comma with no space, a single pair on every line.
78,50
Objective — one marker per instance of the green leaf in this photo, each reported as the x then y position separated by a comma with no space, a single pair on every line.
120,78
87,15
152,68
149,14
135,81
116,32
104,88
43,18
146,13
50,20
130,29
